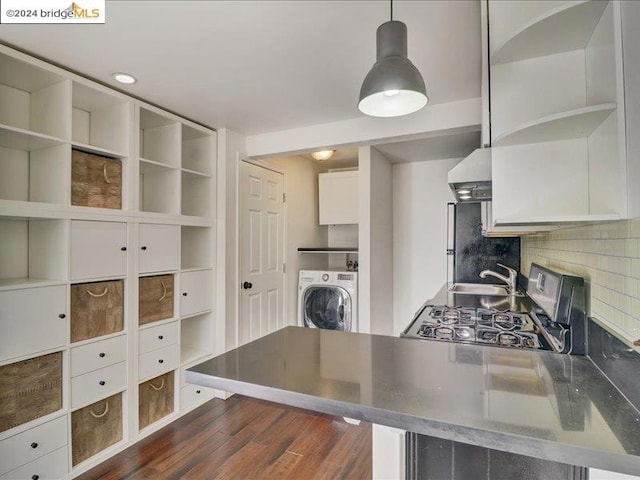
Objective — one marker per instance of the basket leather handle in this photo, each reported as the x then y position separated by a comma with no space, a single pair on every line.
164,292
97,295
157,389
100,415
104,173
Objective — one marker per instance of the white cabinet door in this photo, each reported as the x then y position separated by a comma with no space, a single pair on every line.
338,202
32,320
158,247
196,292
98,249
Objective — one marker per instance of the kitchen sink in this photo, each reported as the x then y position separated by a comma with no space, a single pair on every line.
480,289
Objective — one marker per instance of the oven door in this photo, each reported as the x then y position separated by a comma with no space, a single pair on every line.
327,307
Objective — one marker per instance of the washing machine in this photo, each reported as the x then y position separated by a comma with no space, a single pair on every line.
328,299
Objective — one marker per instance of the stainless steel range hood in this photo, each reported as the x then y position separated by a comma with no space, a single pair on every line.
470,180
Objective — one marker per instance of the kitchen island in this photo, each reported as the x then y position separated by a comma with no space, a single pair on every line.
541,404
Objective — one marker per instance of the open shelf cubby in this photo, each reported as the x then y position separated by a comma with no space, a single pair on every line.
196,248
196,337
159,188
198,148
566,26
100,120
160,138
196,195
34,99
32,172
34,252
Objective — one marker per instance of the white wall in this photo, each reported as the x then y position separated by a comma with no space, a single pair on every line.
230,150
420,196
375,287
302,228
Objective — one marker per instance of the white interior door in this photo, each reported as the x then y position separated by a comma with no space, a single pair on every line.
261,252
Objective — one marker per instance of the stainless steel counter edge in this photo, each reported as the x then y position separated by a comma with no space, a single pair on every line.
264,355
537,448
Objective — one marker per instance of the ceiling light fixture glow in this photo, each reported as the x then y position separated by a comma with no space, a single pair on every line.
394,86
464,192
465,197
323,154
124,78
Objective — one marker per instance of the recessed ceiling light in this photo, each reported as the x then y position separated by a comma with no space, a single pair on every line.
124,78
323,154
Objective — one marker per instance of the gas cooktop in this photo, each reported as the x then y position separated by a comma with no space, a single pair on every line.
480,325
555,321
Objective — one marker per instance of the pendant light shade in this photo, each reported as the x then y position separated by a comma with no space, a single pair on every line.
394,86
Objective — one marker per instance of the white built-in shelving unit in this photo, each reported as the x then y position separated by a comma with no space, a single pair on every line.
54,249
557,113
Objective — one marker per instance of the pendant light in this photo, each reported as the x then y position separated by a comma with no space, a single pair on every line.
394,86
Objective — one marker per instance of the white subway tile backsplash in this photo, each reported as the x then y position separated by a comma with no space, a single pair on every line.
608,257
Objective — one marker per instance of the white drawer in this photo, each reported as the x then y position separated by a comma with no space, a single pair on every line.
158,337
158,362
32,320
93,386
52,466
98,355
194,394
32,444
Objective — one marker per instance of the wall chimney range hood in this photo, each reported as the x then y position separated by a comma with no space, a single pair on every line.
470,180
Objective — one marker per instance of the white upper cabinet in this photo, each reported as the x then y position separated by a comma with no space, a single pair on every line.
557,112
98,249
338,197
159,248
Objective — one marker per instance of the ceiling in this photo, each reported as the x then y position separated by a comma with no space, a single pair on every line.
261,66
434,148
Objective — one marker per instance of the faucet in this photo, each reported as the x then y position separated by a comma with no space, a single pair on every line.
511,281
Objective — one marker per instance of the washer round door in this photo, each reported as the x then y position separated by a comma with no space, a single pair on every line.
327,307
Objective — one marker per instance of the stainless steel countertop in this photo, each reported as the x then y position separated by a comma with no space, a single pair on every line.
547,405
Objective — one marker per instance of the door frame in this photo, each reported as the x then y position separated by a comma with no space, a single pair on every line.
238,280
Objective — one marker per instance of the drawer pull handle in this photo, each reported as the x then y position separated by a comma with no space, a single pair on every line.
164,292
124,249
102,383
62,315
197,391
100,415
184,294
104,173
98,295
157,389
34,445
160,337
35,477
102,354
161,361
143,248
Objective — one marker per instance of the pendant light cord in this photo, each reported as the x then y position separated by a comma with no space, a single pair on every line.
391,8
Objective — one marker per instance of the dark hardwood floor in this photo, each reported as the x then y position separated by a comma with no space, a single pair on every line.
245,438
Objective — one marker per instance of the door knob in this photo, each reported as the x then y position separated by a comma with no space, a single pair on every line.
247,285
